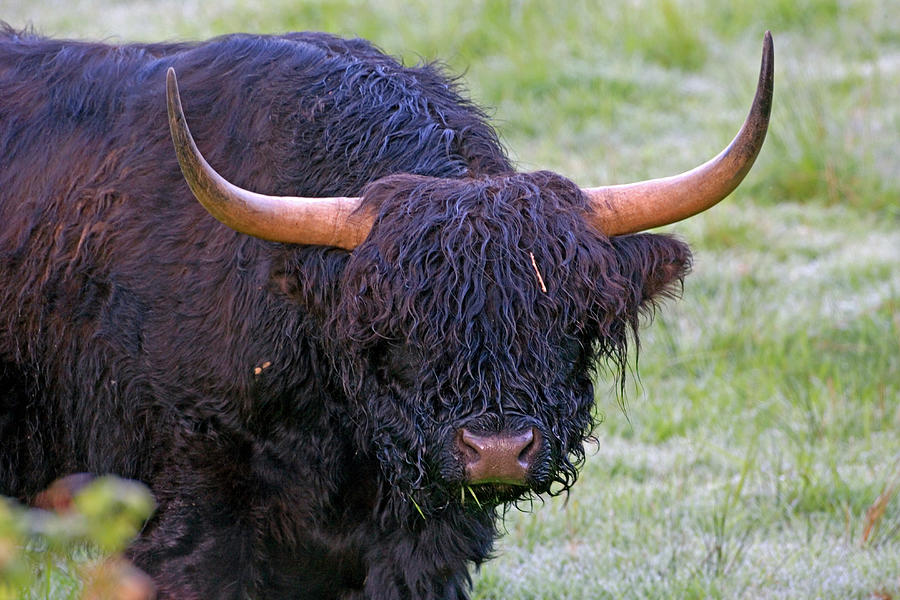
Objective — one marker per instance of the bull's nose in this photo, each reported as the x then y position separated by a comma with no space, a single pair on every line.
498,457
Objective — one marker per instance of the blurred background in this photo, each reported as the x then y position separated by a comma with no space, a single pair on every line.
756,452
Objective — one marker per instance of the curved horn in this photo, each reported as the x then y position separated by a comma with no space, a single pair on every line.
315,221
621,209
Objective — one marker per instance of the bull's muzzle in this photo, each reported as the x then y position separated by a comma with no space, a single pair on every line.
503,458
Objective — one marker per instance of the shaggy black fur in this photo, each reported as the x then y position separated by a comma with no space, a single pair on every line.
293,408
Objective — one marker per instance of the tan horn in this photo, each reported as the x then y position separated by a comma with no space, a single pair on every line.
621,209
314,221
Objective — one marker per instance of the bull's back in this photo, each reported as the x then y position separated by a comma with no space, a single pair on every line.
71,317
60,106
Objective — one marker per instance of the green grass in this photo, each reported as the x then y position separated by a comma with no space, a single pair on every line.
760,443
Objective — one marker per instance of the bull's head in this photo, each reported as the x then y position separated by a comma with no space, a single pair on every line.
473,310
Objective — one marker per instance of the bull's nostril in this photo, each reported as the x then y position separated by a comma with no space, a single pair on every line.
469,445
531,448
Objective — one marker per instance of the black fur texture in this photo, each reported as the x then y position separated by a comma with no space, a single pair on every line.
293,408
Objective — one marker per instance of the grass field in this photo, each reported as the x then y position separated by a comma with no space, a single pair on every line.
757,455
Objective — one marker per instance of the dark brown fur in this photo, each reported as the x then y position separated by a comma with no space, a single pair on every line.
292,408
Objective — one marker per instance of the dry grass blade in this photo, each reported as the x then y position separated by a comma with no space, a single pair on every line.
538,273
876,511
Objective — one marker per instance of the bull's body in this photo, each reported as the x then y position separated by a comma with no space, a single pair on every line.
295,409
132,322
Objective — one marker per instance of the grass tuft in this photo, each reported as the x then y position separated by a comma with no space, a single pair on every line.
665,35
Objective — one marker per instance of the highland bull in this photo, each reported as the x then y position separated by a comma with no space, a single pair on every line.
393,338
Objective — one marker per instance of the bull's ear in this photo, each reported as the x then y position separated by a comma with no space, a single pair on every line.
308,277
655,265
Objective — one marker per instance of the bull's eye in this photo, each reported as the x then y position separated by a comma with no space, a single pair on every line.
576,358
396,364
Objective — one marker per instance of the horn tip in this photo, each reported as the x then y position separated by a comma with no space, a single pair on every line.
768,50
173,95
171,84
763,100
